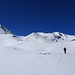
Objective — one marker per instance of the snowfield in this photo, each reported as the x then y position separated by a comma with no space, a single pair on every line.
36,54
17,62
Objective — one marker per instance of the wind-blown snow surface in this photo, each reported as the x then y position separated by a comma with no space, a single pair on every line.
37,54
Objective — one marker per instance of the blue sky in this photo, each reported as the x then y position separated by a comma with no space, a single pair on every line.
23,17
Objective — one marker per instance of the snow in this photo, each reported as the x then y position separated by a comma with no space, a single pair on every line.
18,62
37,54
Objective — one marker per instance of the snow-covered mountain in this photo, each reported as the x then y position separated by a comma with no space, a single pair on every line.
36,54
36,41
4,30
36,36
33,41
51,37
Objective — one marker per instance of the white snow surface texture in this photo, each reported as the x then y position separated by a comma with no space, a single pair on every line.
36,54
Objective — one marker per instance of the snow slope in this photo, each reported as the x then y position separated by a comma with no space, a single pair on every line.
36,54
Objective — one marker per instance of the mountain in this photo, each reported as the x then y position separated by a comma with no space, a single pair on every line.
4,30
51,37
34,41
36,54
40,36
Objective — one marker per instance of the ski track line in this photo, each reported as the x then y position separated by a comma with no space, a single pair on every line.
43,62
58,68
36,64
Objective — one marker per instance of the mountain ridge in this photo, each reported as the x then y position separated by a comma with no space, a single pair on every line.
4,30
36,36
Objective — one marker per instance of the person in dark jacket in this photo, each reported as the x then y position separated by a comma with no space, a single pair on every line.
65,50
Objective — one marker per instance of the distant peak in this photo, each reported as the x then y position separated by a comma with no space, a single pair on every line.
58,33
4,30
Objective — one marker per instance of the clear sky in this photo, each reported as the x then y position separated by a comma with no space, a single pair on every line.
26,16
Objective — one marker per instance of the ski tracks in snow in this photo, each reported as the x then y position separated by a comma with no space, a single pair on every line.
59,66
48,64
40,62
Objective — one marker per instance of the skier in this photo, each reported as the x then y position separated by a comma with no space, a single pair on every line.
64,50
